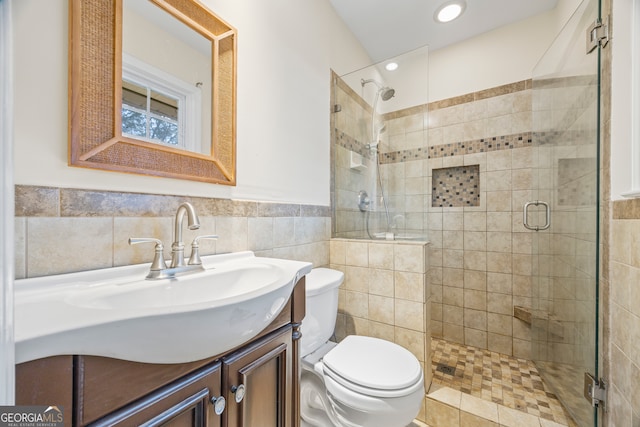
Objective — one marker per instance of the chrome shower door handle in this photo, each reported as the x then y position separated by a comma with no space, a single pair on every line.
525,213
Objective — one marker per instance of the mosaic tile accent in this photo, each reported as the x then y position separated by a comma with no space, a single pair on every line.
456,187
496,143
505,380
350,143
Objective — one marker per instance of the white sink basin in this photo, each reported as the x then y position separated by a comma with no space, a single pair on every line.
117,313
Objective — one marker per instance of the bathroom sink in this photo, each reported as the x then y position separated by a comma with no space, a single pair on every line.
215,287
116,313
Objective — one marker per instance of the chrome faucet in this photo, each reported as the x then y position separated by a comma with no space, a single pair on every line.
177,247
159,269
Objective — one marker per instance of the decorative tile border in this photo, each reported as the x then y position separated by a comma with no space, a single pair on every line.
456,187
482,94
351,144
483,145
496,143
626,209
34,201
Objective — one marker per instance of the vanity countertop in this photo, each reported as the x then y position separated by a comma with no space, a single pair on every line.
116,313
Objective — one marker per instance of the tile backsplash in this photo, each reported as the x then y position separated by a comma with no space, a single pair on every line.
61,230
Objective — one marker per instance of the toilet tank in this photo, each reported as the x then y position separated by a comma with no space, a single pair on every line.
321,308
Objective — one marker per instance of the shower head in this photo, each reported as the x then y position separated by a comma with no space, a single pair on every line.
385,92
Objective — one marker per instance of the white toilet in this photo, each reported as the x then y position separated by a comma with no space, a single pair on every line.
359,382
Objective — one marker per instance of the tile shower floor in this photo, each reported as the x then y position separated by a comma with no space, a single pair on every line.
504,380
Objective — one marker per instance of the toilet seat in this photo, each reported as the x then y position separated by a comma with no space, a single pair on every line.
373,367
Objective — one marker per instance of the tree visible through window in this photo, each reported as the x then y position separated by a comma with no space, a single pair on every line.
149,114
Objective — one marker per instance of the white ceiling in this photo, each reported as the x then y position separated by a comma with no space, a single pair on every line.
387,28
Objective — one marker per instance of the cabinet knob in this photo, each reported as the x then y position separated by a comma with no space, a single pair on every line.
219,403
239,392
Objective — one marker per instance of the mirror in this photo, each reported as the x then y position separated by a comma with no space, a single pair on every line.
166,79
134,105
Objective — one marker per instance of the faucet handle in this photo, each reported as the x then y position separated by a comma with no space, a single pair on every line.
158,259
194,259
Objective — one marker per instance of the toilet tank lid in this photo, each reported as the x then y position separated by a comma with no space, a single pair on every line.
322,279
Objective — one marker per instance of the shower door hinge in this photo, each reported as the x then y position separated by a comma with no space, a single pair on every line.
598,34
594,391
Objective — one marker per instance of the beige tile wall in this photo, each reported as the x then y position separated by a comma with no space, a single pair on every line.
624,317
480,257
480,260
65,230
385,293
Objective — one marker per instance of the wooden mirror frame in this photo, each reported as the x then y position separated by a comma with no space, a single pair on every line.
95,93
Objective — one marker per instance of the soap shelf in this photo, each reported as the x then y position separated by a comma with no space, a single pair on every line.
356,162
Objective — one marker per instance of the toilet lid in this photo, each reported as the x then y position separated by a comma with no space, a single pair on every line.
373,363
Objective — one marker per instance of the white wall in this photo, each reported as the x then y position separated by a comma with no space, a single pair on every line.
286,50
621,120
505,55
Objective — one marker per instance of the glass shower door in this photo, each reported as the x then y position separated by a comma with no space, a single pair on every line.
565,255
378,134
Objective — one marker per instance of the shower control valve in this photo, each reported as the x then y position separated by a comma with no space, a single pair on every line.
363,201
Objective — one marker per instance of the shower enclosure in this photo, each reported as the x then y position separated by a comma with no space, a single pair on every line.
530,143
378,135
566,262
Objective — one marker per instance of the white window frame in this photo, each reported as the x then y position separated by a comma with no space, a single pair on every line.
7,207
189,99
635,102
635,95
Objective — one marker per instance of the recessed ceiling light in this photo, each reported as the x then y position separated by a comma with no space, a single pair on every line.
449,11
391,66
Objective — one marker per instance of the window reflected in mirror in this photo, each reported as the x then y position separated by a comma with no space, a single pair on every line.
150,115
166,75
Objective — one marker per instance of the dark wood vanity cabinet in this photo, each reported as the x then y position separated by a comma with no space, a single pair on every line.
259,382
265,370
184,403
254,381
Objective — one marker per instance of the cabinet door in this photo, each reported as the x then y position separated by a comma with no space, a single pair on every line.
184,403
258,383
47,381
